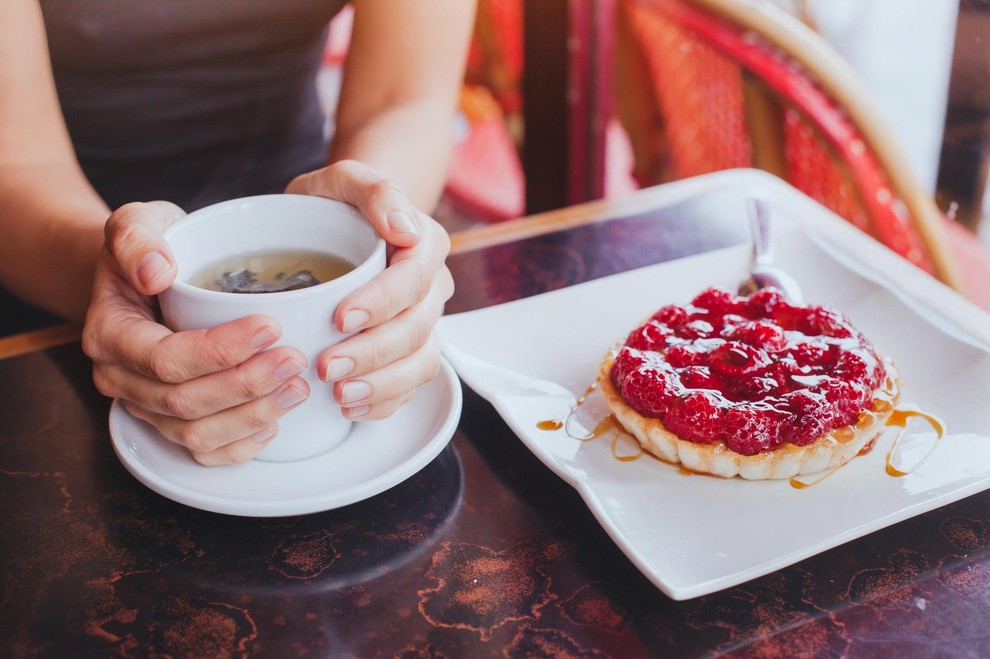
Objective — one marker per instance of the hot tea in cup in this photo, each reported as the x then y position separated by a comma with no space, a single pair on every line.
270,271
306,254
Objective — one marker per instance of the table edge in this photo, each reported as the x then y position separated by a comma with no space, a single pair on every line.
37,340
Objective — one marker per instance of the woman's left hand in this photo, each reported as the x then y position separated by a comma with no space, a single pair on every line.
377,370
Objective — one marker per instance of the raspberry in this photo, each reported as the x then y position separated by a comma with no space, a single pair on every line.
682,356
649,390
671,315
695,417
820,321
761,303
700,377
760,334
625,363
847,400
788,317
749,430
717,301
809,417
651,336
735,360
696,329
728,322
782,372
801,431
858,366
810,354
754,389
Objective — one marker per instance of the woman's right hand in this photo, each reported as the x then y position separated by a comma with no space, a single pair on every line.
213,391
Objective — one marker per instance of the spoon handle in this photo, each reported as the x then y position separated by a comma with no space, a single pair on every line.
759,224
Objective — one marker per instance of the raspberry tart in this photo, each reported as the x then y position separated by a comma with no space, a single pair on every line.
750,386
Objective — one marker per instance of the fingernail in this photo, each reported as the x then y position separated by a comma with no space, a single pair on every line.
355,320
339,367
354,391
289,398
264,435
286,369
264,337
401,222
356,412
151,266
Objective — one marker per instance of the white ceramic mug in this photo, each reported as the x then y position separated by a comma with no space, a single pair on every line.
266,222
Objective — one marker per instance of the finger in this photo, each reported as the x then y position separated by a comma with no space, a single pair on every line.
239,451
154,351
212,432
406,282
133,235
377,411
397,380
380,200
206,395
383,344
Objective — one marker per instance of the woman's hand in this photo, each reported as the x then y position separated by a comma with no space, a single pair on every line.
377,370
213,391
218,392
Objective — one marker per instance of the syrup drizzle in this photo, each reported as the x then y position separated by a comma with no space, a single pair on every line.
599,429
609,425
799,484
899,419
612,423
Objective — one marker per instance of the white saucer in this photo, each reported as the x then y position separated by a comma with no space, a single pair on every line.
376,456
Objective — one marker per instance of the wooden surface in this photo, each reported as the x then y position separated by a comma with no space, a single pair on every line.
484,553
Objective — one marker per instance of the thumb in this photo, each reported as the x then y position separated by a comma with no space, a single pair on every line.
134,239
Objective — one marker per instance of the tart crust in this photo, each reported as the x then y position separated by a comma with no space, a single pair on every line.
785,461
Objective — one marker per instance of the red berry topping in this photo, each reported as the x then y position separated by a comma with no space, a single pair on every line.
762,303
684,355
625,363
805,422
750,430
672,316
695,329
756,388
654,390
700,377
717,301
753,372
735,360
825,322
695,417
651,336
761,334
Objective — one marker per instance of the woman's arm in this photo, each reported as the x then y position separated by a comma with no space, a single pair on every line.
403,73
51,219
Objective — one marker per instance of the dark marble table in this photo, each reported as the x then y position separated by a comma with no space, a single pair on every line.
485,552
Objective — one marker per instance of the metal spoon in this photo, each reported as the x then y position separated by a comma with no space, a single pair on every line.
763,273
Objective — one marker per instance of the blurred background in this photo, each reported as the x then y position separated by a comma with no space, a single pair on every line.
879,109
923,63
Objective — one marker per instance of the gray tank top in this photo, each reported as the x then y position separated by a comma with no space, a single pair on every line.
192,101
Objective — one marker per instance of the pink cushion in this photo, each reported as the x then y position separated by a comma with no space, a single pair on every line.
486,177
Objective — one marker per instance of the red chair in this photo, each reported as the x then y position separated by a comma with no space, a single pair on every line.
706,85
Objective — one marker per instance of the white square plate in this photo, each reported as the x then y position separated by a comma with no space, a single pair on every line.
693,535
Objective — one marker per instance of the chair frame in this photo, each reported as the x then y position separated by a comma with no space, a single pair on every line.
796,64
